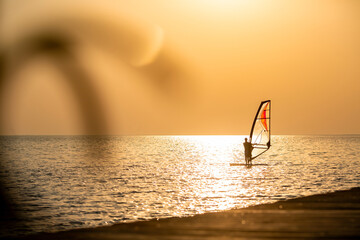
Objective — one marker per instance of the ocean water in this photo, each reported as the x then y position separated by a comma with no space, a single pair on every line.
66,182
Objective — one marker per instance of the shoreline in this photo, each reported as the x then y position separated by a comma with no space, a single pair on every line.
334,215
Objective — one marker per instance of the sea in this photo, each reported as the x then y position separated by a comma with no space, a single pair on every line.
56,183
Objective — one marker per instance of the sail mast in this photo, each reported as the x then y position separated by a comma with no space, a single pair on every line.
255,119
269,123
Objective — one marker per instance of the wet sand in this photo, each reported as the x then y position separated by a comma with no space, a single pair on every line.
325,216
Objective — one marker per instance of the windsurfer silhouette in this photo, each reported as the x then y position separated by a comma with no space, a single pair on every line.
248,149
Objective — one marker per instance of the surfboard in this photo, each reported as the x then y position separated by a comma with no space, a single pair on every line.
248,165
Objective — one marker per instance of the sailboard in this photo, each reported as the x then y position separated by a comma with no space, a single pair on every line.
261,130
248,165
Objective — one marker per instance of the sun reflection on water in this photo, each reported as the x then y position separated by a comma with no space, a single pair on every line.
215,147
165,176
219,186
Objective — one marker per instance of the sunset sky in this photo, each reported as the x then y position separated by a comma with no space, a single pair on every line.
179,67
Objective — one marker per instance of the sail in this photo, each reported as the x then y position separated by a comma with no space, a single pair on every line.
260,131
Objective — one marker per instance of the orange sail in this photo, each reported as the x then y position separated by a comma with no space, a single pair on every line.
264,117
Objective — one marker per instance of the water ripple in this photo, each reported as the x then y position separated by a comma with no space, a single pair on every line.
57,184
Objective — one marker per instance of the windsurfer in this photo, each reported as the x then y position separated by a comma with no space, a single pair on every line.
248,149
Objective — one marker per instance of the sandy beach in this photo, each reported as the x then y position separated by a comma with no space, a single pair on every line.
325,216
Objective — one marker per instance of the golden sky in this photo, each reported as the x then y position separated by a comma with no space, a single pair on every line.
179,67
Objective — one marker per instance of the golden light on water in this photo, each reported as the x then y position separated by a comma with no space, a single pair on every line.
216,147
219,187
146,177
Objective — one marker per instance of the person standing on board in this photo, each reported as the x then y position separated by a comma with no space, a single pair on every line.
248,149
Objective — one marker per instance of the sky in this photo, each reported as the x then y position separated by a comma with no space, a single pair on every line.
179,67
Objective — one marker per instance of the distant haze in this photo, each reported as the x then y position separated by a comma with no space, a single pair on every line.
179,67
